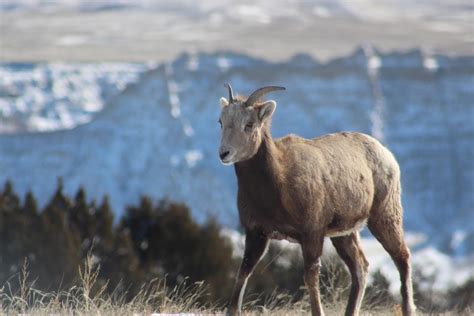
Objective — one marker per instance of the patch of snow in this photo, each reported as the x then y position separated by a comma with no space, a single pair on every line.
193,62
174,100
223,63
188,129
376,115
175,104
458,238
192,157
431,64
429,61
373,61
237,241
414,239
55,96
440,271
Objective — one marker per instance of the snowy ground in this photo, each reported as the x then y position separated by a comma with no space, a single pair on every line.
129,30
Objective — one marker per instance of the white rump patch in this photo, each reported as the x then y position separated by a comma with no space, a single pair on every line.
279,236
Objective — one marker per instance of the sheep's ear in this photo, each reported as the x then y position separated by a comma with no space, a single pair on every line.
265,110
223,101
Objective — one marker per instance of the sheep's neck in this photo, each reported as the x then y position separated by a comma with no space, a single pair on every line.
263,168
260,183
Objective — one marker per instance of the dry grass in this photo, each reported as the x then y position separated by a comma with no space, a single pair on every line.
155,297
87,299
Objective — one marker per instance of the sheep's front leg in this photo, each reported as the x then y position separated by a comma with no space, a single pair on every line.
255,246
312,249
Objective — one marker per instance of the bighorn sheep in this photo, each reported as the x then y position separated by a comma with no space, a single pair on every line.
303,190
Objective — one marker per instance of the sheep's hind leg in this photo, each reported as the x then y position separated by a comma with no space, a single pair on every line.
389,232
255,246
348,248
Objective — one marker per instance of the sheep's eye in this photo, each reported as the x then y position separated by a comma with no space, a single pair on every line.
220,123
248,126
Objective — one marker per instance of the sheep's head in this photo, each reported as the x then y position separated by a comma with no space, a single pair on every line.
242,121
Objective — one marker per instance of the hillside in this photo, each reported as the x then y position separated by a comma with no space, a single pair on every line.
159,136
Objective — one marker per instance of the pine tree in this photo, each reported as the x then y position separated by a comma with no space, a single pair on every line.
105,242
213,260
138,220
30,206
29,222
9,200
11,226
150,241
104,219
59,200
122,267
82,221
171,243
31,232
60,253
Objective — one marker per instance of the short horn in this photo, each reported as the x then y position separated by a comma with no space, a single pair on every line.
257,94
231,93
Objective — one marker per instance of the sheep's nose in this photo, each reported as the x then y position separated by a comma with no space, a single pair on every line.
223,154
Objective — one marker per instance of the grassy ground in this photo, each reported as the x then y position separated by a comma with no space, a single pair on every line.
183,300
156,298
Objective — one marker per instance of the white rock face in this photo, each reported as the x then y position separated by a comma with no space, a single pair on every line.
56,96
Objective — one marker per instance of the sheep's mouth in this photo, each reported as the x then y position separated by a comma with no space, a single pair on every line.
227,161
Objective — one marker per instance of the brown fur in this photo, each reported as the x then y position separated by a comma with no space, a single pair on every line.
304,190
